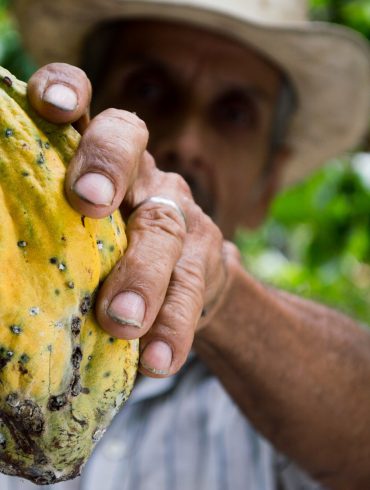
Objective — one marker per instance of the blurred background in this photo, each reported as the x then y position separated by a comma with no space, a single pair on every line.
316,241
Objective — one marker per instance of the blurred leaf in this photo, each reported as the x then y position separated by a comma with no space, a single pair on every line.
12,55
316,241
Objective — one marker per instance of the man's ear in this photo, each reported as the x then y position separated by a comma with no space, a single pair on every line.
267,187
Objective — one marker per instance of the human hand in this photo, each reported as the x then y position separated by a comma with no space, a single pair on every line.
174,267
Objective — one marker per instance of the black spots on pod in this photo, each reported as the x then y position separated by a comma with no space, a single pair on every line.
40,159
7,81
5,356
76,325
85,304
47,478
23,359
100,245
88,365
16,329
27,413
70,285
76,357
83,220
106,374
43,145
2,441
34,311
60,265
8,133
76,386
22,244
111,340
12,400
22,369
57,402
57,292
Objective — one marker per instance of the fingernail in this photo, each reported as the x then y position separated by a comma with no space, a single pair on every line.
61,96
127,309
157,357
95,189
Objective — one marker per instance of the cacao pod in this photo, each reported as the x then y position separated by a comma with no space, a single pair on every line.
62,378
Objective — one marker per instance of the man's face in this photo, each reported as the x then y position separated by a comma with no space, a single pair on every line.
208,103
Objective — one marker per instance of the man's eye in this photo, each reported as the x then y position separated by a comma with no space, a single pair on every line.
145,88
236,114
150,90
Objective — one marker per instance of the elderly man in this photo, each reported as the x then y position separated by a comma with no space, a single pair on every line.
238,98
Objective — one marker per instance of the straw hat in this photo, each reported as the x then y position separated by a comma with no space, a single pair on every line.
328,65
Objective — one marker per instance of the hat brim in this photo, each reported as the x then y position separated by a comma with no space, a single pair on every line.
328,65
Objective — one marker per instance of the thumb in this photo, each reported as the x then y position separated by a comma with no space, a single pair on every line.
60,93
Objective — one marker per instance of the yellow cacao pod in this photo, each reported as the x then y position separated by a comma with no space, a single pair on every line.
62,378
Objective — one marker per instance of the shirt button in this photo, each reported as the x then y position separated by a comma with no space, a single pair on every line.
115,449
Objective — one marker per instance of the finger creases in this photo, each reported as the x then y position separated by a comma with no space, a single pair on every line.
155,243
158,290
176,321
106,162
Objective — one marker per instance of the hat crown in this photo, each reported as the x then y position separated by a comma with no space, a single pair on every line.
265,11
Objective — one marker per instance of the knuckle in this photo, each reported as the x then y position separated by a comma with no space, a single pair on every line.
114,128
61,72
149,165
202,225
57,69
177,183
159,219
177,323
188,280
231,250
127,118
217,236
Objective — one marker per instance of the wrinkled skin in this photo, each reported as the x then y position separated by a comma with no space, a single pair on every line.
209,114
208,106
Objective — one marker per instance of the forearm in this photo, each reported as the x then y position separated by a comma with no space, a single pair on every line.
300,372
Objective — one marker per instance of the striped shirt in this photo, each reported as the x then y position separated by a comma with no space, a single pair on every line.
181,433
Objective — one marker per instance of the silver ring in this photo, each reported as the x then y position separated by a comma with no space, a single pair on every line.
166,202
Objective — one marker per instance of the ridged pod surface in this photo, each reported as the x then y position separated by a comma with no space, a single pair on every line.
62,378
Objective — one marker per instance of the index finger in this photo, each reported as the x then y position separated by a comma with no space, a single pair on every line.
60,93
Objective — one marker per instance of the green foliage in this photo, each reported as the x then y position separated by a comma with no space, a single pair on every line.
316,241
353,13
12,55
